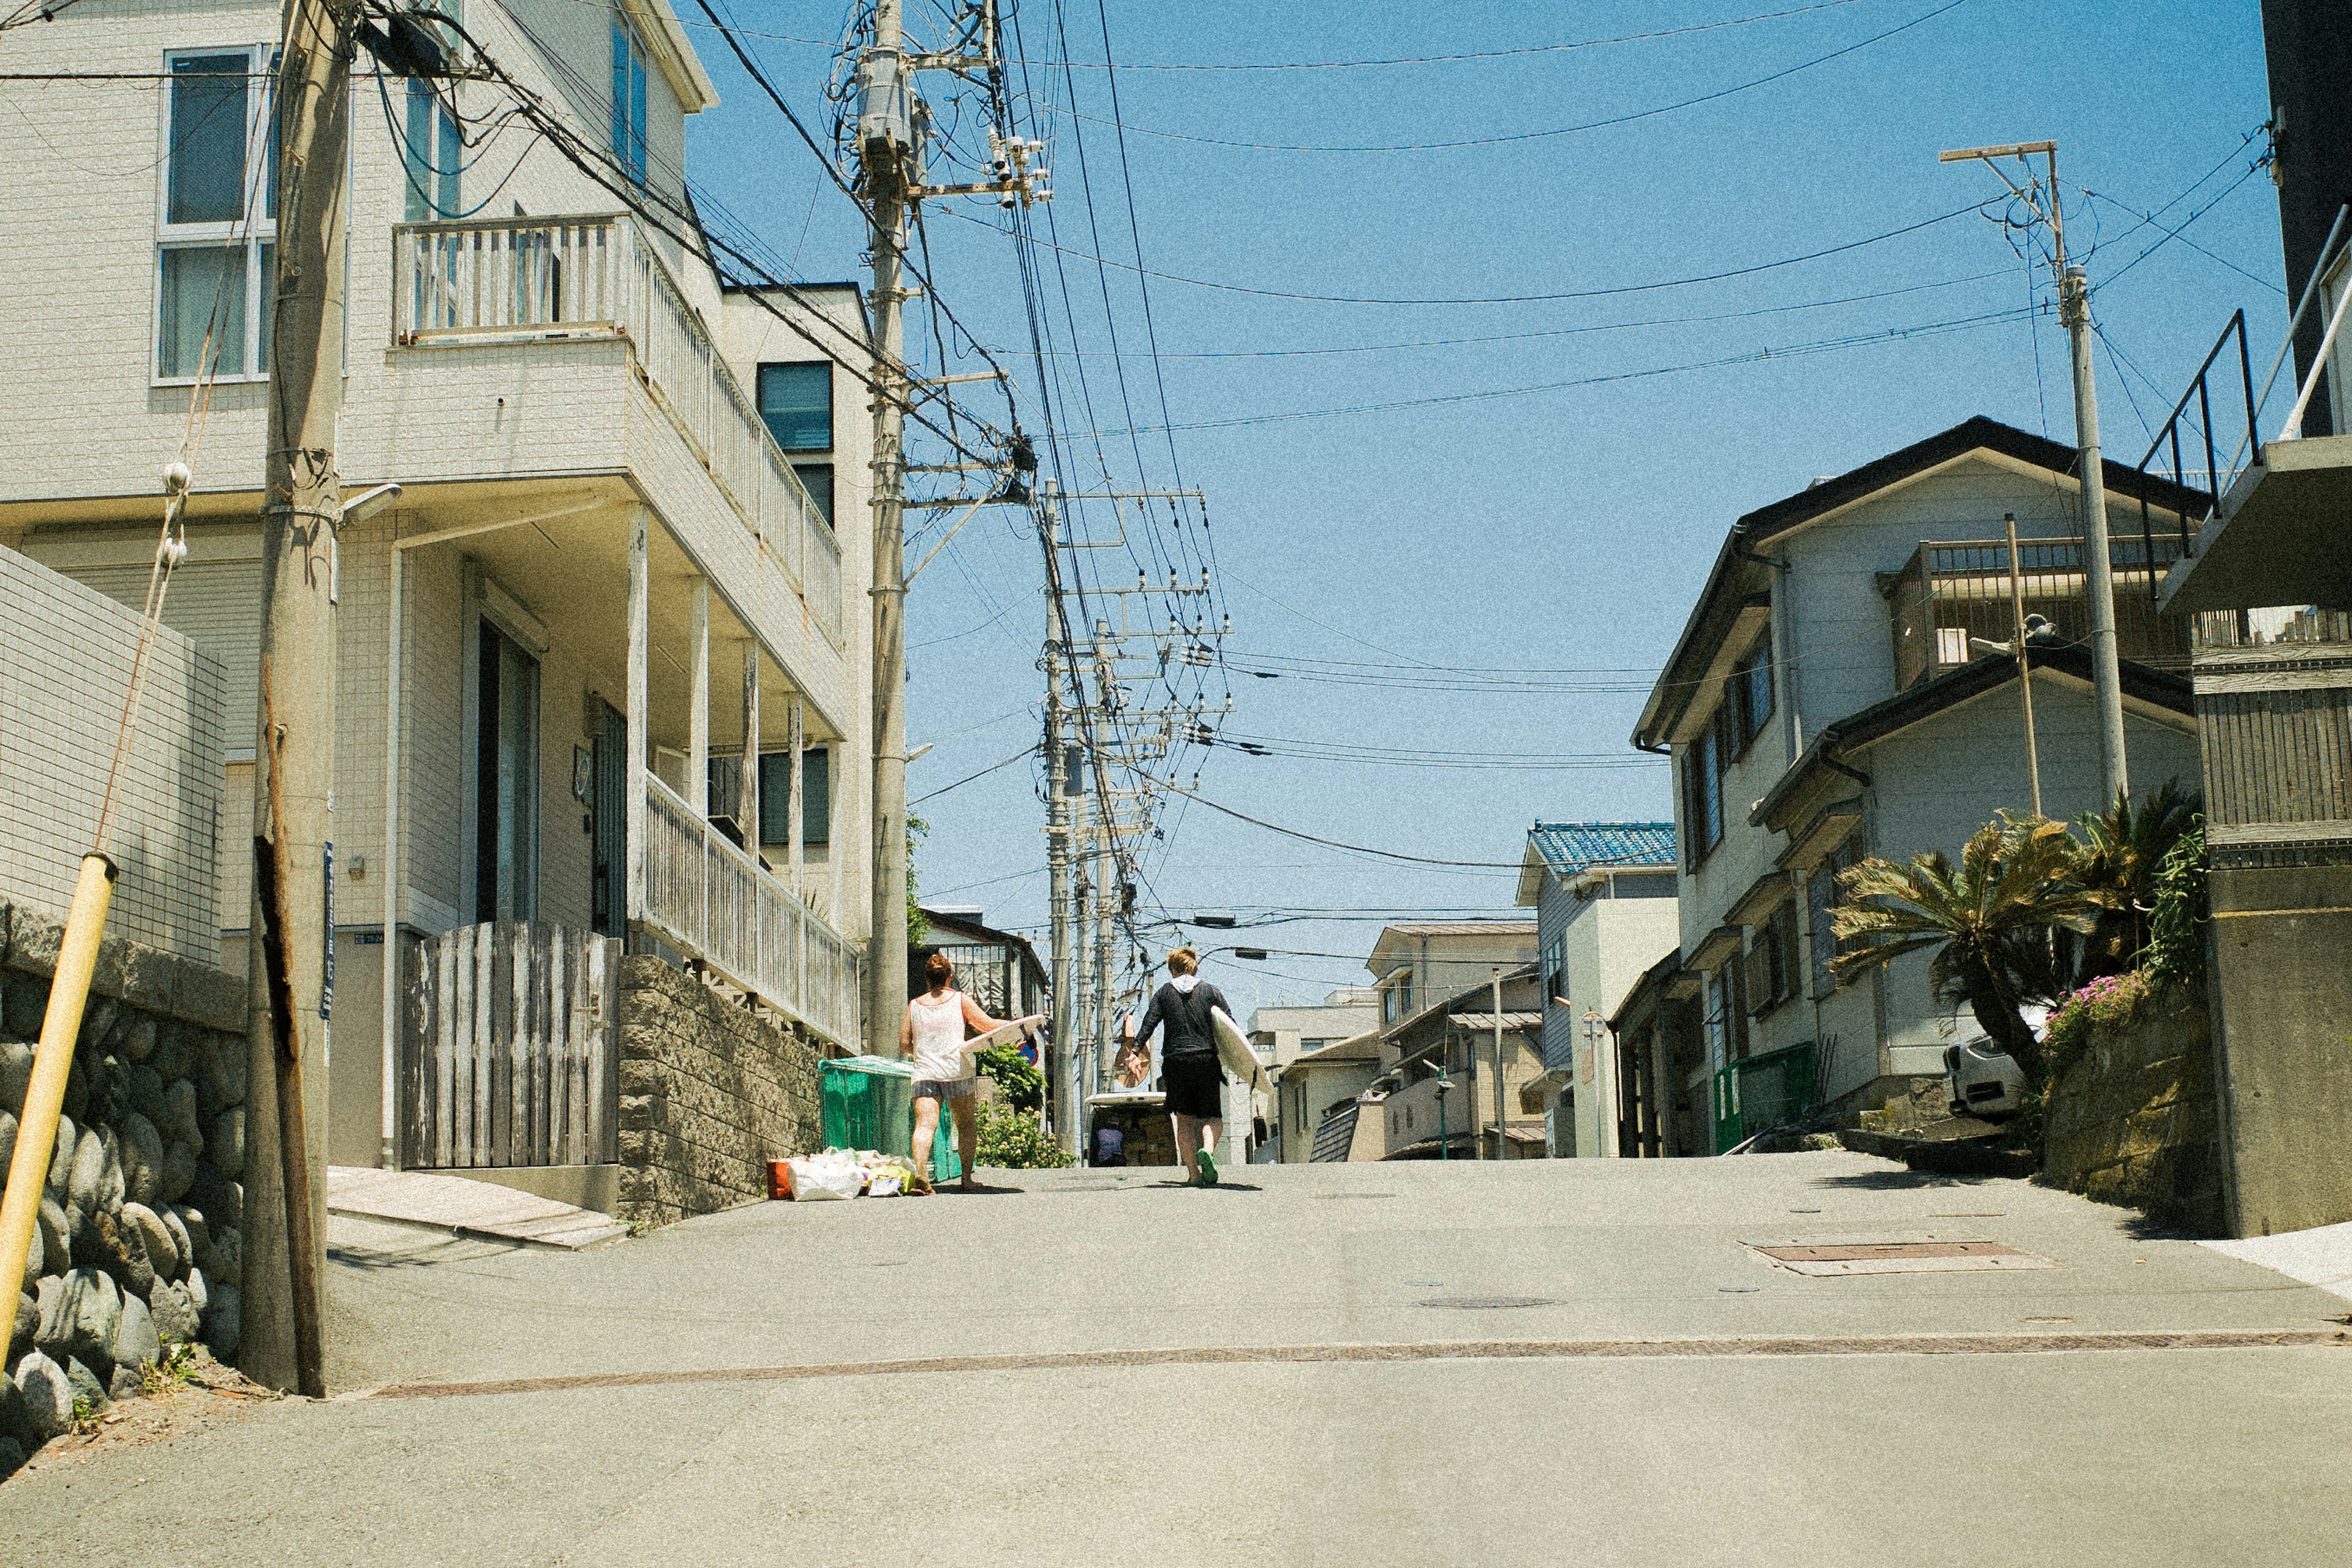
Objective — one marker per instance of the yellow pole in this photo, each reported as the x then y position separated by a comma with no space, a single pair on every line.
36,1131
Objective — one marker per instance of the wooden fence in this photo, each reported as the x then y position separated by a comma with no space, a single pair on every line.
510,1049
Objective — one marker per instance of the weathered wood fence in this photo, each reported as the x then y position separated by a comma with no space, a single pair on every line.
511,1048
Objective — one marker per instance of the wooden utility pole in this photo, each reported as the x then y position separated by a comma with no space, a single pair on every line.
289,957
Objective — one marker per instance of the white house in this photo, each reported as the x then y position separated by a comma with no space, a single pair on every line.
613,572
1825,703
1603,896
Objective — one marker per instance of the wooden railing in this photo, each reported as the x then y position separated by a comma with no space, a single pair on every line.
491,281
719,906
510,1050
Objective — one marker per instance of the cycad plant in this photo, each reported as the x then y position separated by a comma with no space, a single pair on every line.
1987,921
2118,866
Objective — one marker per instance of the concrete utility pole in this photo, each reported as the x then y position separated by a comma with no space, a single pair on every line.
2074,314
1061,1036
887,153
290,955
2024,665
1501,1119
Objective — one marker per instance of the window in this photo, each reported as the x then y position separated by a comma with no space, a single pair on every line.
1307,1045
1555,968
1718,997
817,479
1771,975
1703,788
628,99
1750,693
797,402
506,877
816,796
1823,895
214,259
1951,645
431,155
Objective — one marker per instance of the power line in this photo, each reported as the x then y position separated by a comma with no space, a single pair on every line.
1465,56
1558,131
1607,292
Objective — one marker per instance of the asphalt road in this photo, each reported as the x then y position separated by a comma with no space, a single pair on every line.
1415,1365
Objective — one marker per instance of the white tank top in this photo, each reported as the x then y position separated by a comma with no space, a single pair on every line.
938,1036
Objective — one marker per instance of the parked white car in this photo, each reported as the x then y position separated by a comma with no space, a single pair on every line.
1981,1080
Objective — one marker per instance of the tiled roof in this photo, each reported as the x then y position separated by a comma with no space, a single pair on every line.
1572,846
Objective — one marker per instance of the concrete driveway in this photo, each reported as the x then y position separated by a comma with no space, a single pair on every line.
1318,1364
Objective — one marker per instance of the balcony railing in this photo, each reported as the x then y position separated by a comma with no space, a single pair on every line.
720,906
1951,591
498,280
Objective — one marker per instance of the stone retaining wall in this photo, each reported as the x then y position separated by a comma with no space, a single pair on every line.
710,1091
139,1238
2132,1119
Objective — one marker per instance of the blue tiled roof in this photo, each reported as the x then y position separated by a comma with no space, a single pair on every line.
1568,847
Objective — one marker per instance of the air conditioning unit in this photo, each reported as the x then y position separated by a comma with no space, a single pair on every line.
1981,1080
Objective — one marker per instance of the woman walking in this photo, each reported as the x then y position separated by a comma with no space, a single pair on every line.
933,1036
1188,1068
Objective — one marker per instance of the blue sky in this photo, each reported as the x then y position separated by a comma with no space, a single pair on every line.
1559,530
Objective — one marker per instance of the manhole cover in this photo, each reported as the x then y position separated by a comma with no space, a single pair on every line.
1898,1256
1488,1303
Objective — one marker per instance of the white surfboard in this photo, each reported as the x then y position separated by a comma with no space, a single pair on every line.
1011,1031
1234,1051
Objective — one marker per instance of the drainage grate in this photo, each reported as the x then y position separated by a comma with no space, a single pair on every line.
1488,1303
1898,1256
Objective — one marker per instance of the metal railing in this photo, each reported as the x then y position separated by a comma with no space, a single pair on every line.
473,281
720,906
2197,504
1952,591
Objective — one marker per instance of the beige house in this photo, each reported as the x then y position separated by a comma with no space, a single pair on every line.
1318,1090
1282,1035
1416,965
613,574
1437,1077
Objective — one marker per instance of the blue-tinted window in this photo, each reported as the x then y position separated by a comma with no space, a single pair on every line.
796,401
816,796
817,479
629,101
431,155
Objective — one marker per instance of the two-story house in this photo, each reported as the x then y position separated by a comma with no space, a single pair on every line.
604,665
1825,703
1603,896
1419,963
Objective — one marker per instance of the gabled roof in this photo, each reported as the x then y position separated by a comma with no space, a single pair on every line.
1569,848
2142,682
1739,573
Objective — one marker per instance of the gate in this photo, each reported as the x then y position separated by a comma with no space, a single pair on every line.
510,1049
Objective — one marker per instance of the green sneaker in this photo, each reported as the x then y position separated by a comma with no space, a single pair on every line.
1205,1166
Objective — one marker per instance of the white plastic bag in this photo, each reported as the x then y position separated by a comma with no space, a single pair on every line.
817,1177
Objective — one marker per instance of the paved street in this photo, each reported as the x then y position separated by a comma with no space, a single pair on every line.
710,1394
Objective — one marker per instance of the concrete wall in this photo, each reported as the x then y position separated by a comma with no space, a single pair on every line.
2283,990
1305,1093
141,1224
710,1093
2133,1121
66,653
1610,942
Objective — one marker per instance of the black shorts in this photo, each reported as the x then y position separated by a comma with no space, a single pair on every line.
1195,1086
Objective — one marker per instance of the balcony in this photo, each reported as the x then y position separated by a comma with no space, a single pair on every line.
512,283
1951,591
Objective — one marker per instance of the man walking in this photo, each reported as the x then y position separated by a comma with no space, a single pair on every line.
1188,1068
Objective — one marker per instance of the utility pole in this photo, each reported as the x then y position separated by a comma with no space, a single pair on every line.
1501,1149
2074,314
2024,665
886,155
1062,1037
289,964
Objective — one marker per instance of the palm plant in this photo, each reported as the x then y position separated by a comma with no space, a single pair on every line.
2122,855
1987,921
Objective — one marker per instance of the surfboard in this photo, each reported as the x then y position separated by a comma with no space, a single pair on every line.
1012,1030
1234,1051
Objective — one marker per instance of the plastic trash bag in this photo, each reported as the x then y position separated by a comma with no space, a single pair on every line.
817,1177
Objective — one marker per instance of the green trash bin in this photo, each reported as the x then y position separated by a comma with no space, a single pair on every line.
868,1102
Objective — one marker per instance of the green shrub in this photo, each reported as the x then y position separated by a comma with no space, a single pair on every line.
1014,1141
1022,1085
2179,914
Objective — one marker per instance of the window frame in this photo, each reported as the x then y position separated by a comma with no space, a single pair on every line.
1741,693
430,193
1702,770
253,233
821,373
